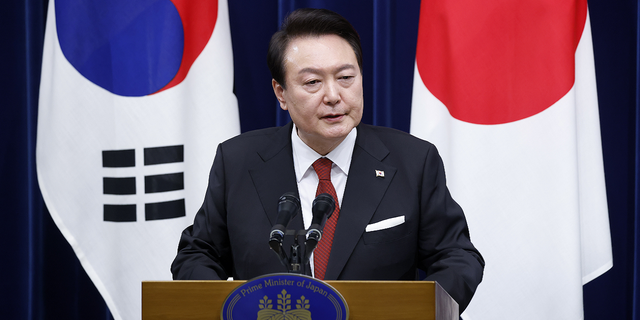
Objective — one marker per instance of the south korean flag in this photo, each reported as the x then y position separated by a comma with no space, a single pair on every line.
134,98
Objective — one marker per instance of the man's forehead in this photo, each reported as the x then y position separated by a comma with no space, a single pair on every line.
312,51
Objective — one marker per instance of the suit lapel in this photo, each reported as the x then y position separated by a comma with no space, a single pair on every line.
363,193
276,175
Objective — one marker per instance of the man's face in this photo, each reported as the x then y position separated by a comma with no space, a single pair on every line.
324,90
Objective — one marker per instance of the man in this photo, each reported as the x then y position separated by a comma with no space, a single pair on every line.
394,212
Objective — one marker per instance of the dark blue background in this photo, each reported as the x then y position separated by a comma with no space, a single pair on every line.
41,276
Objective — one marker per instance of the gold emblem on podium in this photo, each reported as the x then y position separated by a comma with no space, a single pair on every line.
284,311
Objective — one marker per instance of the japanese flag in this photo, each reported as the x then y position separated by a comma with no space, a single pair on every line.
134,98
506,90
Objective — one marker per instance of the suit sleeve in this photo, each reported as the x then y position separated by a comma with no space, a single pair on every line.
446,253
204,250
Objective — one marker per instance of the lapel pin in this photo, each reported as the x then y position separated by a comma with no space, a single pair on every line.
379,174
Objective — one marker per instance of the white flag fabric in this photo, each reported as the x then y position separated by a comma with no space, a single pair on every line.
134,98
506,91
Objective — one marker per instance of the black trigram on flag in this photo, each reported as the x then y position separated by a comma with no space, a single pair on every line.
127,186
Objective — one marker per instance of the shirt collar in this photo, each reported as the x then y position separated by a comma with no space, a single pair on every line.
304,156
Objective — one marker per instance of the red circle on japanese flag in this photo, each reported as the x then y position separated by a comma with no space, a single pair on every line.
492,62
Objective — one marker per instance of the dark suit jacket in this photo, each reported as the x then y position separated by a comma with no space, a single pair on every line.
230,233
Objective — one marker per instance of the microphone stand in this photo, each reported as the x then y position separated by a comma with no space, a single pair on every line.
298,259
295,263
300,255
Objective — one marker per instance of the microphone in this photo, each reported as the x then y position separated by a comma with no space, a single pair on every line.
322,208
288,207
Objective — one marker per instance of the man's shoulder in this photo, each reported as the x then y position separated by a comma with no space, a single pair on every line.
258,136
397,147
391,136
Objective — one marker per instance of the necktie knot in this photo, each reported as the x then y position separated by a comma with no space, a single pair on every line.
322,167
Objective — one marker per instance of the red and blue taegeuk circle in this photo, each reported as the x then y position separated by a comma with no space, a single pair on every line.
134,48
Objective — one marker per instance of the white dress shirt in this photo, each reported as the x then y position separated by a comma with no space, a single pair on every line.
304,157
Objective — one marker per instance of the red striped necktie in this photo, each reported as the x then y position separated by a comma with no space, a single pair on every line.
322,167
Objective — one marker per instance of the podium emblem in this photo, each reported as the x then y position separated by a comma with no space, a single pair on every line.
284,311
285,296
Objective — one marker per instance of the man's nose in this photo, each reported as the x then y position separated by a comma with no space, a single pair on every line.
331,93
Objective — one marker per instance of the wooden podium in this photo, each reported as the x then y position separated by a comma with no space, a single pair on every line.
367,300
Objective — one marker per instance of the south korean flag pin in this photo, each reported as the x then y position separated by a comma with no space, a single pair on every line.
379,174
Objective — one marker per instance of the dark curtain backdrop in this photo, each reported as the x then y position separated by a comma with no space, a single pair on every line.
41,276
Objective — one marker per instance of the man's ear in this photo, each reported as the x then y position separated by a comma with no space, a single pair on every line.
279,91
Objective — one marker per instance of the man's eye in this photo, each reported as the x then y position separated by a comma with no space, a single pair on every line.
312,82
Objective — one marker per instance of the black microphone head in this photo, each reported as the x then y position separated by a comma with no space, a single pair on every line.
323,205
290,196
288,207
322,208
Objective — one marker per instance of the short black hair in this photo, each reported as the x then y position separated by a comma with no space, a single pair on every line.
309,22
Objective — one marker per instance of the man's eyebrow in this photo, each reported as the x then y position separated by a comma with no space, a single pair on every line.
339,69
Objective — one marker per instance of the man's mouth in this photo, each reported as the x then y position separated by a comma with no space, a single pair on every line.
333,116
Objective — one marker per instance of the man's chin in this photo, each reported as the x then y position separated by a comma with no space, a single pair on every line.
338,131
